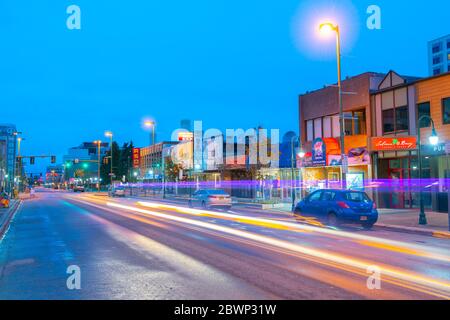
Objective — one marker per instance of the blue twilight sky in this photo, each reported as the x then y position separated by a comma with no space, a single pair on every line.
230,63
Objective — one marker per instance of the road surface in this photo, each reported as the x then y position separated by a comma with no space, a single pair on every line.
131,249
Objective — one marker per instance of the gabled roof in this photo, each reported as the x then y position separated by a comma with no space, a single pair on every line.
393,79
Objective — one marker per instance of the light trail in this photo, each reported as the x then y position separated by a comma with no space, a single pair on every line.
391,245
442,288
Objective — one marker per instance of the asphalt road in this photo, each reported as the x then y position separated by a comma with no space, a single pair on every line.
127,249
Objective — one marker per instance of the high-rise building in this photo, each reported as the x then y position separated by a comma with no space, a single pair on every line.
186,124
439,56
8,147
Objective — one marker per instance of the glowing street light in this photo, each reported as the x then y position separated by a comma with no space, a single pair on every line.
151,124
327,28
110,135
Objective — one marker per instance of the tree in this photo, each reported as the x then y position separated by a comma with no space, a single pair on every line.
172,170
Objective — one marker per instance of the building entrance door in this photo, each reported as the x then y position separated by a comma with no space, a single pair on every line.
397,197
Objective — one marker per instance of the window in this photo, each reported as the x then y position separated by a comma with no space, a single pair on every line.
355,122
423,109
401,118
327,127
309,130
436,71
336,126
437,60
388,121
448,44
348,123
328,196
446,110
436,48
318,128
356,197
359,122
315,196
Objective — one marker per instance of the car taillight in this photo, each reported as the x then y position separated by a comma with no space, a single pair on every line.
343,205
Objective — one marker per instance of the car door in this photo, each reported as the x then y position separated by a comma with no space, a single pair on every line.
327,202
312,204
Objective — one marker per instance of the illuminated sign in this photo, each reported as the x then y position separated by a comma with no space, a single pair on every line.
185,136
319,153
394,143
136,158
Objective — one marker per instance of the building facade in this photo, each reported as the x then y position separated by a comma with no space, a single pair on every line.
397,106
81,163
320,133
8,153
439,56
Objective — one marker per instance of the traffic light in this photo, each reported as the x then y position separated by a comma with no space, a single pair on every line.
53,159
32,160
105,160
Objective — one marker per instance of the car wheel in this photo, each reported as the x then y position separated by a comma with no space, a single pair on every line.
367,225
333,220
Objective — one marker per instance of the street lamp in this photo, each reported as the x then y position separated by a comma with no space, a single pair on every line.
110,135
327,28
434,140
151,124
99,144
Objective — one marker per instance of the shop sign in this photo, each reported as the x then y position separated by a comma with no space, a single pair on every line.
136,158
319,153
394,143
430,150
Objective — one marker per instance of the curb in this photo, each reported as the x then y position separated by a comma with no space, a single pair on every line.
413,230
9,215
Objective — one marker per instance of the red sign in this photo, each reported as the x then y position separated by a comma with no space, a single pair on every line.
394,143
136,157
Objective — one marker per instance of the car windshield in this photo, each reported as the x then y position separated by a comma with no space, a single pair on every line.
356,197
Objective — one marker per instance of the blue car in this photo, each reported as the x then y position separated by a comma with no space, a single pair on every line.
335,207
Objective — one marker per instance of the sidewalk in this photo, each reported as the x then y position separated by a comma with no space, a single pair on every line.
407,220
6,215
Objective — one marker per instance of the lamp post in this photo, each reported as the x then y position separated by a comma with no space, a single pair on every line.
98,143
151,124
301,154
327,28
110,135
434,140
19,161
